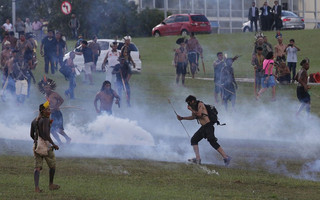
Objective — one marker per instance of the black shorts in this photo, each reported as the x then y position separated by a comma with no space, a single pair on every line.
205,131
303,96
57,118
181,68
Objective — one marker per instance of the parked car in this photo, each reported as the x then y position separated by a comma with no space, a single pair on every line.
289,21
182,24
105,46
214,26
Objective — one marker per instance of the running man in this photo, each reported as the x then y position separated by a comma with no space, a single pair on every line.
47,87
199,112
106,97
194,51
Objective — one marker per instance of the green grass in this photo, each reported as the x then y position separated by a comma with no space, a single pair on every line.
82,178
93,178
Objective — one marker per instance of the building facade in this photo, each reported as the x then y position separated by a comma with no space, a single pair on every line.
231,14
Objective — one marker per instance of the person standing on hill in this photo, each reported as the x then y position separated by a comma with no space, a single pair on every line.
194,52
303,87
257,63
276,9
199,112
292,59
40,127
217,67
228,83
48,49
181,61
74,24
253,16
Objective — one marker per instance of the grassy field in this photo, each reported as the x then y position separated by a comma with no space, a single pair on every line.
249,177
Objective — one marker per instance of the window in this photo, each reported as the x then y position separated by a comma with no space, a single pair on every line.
104,45
181,18
169,20
199,18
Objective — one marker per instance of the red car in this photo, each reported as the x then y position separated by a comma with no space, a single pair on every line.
182,24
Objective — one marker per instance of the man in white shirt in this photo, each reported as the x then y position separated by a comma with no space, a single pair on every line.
111,60
291,51
7,27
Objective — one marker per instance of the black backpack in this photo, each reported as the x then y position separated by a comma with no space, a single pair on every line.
212,113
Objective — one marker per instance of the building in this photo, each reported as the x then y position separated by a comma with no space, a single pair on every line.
231,14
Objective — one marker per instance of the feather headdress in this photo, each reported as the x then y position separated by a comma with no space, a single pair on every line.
46,82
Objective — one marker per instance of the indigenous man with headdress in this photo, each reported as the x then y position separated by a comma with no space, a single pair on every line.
194,51
106,97
257,63
40,127
260,42
47,87
303,87
111,60
126,51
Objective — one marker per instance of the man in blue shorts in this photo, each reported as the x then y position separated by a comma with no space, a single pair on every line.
181,60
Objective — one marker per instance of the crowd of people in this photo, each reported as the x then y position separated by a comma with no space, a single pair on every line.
271,65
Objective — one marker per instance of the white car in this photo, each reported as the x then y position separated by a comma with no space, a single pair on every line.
105,46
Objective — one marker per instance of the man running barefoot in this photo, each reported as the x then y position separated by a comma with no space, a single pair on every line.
47,87
206,130
106,97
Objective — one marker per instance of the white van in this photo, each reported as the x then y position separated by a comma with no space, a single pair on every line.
105,46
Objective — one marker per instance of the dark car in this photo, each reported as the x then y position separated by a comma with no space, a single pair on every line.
289,21
182,24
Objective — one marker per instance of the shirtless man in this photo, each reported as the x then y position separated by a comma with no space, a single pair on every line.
199,112
43,121
181,60
47,86
5,54
280,50
106,97
303,87
194,51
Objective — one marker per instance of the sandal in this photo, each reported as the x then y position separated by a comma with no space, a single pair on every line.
195,161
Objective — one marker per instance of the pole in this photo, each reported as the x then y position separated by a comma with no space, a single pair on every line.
177,115
14,15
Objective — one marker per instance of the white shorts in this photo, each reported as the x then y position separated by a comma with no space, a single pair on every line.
21,87
87,67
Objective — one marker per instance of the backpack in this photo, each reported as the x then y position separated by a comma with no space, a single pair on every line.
212,113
